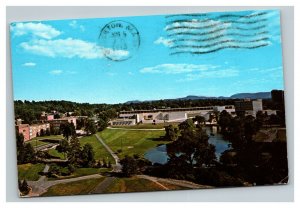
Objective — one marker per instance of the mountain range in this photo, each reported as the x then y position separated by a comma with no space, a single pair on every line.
257,95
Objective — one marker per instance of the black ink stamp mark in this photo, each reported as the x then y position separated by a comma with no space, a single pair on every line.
120,40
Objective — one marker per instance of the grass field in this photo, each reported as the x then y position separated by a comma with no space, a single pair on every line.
30,171
83,172
130,141
73,188
132,185
100,151
55,153
147,126
173,187
37,140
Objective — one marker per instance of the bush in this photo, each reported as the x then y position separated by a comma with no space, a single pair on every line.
214,177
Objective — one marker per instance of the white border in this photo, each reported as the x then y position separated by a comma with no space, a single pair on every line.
141,2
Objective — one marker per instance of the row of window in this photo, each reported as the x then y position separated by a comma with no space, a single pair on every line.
174,109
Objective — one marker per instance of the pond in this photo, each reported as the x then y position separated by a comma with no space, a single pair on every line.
159,154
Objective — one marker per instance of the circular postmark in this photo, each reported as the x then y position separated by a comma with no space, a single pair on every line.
120,40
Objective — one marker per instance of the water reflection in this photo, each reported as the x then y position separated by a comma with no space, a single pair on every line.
159,154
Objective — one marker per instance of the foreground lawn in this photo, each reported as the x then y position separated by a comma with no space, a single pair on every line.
83,172
147,126
73,188
132,185
172,186
130,141
100,151
55,153
30,171
37,141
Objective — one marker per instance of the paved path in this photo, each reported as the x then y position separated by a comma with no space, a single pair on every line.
101,187
182,183
162,129
45,146
117,167
41,186
52,160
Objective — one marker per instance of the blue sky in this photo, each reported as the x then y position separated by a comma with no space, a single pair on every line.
63,60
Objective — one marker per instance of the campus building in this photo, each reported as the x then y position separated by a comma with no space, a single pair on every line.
57,122
32,131
248,106
167,114
24,129
37,129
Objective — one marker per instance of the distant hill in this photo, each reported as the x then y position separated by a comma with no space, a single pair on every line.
133,101
193,97
257,95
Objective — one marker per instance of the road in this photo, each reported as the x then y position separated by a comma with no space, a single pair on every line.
117,167
182,183
45,146
162,129
41,186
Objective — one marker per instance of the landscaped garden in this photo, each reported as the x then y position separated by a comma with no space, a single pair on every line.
30,171
131,142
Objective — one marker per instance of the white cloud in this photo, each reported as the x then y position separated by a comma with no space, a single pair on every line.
29,64
177,68
69,48
111,74
36,29
56,72
192,72
166,42
217,73
74,25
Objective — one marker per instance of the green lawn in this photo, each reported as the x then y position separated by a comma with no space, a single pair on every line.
100,152
74,188
30,171
83,172
173,187
130,141
147,126
55,153
37,140
132,185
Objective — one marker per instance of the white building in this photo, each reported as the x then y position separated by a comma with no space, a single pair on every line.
167,114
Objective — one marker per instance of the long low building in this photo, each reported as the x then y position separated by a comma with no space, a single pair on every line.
167,114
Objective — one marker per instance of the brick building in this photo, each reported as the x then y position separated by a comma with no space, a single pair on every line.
25,130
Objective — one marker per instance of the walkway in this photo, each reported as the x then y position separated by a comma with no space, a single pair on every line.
129,129
117,167
102,186
182,183
41,186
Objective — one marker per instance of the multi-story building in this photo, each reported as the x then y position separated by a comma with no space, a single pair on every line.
248,106
36,129
57,122
167,114
24,129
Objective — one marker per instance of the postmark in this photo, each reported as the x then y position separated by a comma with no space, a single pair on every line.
120,40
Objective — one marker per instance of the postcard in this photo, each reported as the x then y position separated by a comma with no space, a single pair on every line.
149,103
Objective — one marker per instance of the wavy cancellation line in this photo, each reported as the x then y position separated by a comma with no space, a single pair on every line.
215,44
217,37
207,40
212,32
219,16
214,25
218,49
215,19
